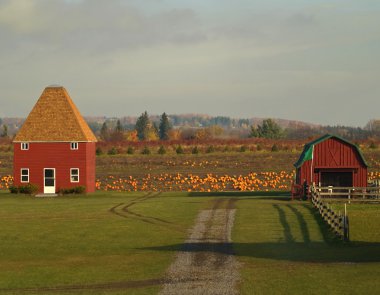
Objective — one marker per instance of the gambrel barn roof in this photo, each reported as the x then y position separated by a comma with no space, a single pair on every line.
55,118
309,146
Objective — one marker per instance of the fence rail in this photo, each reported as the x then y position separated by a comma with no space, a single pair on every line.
371,193
338,222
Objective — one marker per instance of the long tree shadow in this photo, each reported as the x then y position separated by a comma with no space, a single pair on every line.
302,222
285,224
270,195
313,252
330,250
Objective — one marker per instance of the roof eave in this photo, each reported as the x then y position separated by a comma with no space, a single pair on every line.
48,141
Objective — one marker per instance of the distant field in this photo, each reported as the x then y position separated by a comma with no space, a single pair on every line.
106,243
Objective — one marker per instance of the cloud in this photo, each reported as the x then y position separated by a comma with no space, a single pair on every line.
121,57
94,26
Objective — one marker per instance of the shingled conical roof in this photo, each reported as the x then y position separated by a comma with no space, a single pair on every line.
55,118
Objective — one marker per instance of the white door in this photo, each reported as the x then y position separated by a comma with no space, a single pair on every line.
49,181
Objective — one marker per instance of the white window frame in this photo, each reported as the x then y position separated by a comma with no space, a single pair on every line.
74,145
21,175
25,146
71,175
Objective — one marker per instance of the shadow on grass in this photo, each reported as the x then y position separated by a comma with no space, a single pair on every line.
331,250
328,236
302,222
285,224
312,252
270,195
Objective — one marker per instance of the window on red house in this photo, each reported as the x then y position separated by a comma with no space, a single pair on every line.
24,175
74,175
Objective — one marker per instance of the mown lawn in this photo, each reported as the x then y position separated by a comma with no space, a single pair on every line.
105,244
76,241
286,249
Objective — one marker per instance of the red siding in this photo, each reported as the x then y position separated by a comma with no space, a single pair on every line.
334,155
58,156
90,167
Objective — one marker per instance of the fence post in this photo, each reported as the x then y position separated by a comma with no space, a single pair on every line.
349,196
346,229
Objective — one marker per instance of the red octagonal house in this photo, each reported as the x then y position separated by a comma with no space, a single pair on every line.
55,148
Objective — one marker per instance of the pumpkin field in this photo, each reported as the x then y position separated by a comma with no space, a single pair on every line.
226,168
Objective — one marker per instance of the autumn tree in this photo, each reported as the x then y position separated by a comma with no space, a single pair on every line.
131,135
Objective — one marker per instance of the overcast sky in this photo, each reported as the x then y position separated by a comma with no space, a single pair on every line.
311,60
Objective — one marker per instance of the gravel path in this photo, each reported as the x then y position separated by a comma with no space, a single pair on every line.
207,264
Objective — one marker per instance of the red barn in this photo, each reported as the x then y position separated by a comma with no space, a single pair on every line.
331,161
55,148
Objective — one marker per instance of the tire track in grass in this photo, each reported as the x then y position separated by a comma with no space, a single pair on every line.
124,210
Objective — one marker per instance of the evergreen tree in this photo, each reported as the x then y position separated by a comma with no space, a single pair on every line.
275,148
161,150
146,151
179,150
142,126
104,132
268,129
5,131
254,132
118,127
195,150
164,127
118,133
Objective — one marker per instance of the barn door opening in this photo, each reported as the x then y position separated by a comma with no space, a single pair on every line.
341,179
49,181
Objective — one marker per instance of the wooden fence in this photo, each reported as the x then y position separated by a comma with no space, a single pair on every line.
349,194
338,222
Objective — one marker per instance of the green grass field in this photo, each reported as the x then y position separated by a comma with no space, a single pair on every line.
81,241
286,248
104,244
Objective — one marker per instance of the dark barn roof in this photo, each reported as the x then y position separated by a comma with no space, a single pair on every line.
309,146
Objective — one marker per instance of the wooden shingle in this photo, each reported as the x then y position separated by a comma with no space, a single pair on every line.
55,118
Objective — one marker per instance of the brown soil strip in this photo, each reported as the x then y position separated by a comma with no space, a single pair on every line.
206,264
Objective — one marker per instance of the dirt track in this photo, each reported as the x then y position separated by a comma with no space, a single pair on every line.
207,264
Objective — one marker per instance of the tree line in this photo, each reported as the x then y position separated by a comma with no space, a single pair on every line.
145,129
203,127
